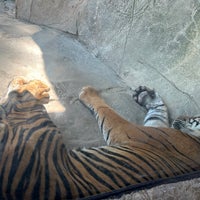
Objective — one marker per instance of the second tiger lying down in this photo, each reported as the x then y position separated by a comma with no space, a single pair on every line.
34,163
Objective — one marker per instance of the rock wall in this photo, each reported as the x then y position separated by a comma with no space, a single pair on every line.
151,42
59,14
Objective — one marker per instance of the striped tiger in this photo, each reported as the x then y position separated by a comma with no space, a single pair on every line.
34,162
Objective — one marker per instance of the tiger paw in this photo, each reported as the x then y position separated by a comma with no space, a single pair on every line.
36,87
147,98
88,95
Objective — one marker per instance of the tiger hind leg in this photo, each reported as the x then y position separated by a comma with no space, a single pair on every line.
157,114
36,87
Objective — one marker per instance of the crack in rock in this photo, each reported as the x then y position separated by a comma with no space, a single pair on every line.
113,89
143,62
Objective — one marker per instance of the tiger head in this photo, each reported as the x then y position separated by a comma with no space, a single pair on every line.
189,125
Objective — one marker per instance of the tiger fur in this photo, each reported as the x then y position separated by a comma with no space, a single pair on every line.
189,125
34,162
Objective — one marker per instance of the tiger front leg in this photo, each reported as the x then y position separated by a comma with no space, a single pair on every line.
157,114
112,125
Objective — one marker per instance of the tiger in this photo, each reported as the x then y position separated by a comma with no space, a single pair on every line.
36,164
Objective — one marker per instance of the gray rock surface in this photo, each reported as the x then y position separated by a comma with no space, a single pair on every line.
60,14
129,43
145,42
